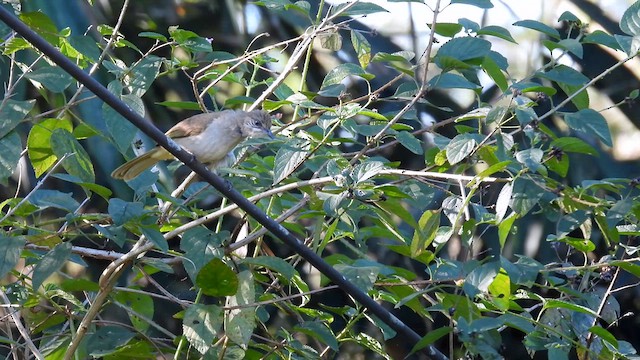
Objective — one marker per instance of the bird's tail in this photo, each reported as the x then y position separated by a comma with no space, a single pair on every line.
134,167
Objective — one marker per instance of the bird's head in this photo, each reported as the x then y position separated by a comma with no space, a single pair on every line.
257,123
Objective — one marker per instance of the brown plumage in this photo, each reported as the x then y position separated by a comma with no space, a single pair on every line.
209,137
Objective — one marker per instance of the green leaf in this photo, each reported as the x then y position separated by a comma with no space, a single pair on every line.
497,31
200,246
360,8
398,56
102,191
629,44
189,40
301,6
526,195
581,100
107,339
524,272
153,35
459,148
505,228
12,112
566,75
39,145
77,162
540,27
240,323
15,44
605,335
531,158
53,78
431,337
42,24
630,21
410,142
574,145
273,263
339,73
319,330
122,211
629,267
10,250
620,210
366,170
561,304
362,48
363,277
330,40
288,158
469,25
201,325
156,237
451,81
217,279
44,198
141,304
559,165
483,4
10,148
583,245
572,221
589,121
529,86
600,37
446,29
572,45
462,49
495,73
86,46
480,278
142,75
50,263
121,130
426,232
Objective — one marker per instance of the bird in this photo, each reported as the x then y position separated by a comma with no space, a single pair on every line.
208,136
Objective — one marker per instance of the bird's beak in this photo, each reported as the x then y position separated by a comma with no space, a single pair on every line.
269,133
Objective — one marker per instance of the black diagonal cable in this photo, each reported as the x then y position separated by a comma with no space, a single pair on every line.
217,182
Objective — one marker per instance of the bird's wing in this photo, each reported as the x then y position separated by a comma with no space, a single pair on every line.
193,125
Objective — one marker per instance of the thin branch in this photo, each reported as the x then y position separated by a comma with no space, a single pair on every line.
15,315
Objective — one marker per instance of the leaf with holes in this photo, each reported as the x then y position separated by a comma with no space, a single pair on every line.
201,325
241,322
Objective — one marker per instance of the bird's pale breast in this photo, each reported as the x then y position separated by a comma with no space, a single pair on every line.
213,144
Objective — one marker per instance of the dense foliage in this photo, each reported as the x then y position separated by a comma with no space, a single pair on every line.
430,218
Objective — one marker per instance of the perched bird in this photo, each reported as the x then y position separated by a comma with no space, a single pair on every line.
209,137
